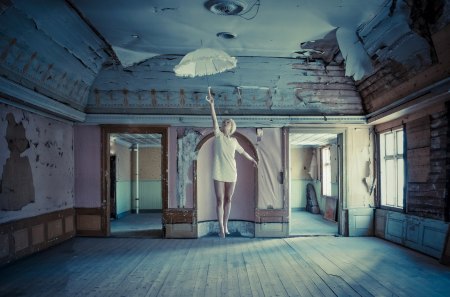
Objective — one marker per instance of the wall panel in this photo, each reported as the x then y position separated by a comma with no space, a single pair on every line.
29,235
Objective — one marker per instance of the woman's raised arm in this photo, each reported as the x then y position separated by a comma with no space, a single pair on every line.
210,99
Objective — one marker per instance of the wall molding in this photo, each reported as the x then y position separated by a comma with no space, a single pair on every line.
89,222
431,95
421,234
24,98
27,236
180,223
272,222
205,121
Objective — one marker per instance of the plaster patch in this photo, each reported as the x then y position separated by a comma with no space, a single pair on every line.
50,155
16,185
186,155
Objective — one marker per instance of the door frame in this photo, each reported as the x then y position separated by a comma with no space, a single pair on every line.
341,134
106,130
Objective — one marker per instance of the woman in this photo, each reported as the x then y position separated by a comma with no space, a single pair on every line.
224,165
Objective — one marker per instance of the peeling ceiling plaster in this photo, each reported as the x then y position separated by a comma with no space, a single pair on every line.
140,29
117,57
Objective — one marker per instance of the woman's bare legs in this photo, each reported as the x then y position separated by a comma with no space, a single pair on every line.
219,188
229,190
224,193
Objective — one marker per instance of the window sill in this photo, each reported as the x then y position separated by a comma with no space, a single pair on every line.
392,208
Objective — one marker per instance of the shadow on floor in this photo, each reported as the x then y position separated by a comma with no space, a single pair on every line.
303,223
143,225
149,225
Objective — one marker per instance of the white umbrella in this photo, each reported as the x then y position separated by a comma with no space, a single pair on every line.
204,61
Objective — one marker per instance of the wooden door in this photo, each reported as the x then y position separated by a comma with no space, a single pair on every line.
112,187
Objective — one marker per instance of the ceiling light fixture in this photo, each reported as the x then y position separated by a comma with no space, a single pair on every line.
226,7
226,35
233,7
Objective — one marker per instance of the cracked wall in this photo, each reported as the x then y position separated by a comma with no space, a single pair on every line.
50,169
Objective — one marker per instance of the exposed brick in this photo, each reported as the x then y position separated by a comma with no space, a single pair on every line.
439,132
436,194
436,154
439,142
434,177
430,213
417,187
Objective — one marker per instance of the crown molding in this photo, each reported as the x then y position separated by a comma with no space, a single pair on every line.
24,98
205,121
431,95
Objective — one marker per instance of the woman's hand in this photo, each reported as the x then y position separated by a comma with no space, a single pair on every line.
210,97
250,158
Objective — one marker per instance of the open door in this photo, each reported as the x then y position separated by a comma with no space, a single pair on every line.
314,182
131,188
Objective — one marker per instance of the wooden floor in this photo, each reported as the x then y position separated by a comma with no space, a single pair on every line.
210,266
149,225
305,223
138,225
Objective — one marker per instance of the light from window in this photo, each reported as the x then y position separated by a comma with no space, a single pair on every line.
326,171
392,168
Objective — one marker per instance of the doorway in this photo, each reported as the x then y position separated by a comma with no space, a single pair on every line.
136,188
315,159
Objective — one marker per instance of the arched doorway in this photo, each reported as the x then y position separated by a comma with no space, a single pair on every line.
242,217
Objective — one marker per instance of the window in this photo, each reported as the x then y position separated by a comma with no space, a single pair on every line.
392,168
326,171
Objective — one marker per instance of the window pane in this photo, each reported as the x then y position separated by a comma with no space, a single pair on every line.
391,178
383,181
392,168
326,173
390,144
382,146
400,142
400,182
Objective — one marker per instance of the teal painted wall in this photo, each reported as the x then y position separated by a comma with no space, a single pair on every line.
123,196
298,193
150,194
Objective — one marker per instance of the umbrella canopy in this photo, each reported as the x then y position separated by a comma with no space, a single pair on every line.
204,61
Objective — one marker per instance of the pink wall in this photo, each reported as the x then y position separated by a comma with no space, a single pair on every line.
87,140
243,205
172,167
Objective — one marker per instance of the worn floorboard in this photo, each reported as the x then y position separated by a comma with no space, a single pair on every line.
210,266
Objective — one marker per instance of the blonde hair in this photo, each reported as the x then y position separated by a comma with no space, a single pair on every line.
233,125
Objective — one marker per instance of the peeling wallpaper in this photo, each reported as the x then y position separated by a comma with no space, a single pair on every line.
51,161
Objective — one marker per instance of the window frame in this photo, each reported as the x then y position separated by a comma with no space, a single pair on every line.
396,156
322,171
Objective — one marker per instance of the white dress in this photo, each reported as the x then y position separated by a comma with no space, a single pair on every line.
224,163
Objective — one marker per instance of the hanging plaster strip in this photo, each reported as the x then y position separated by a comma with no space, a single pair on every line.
186,155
